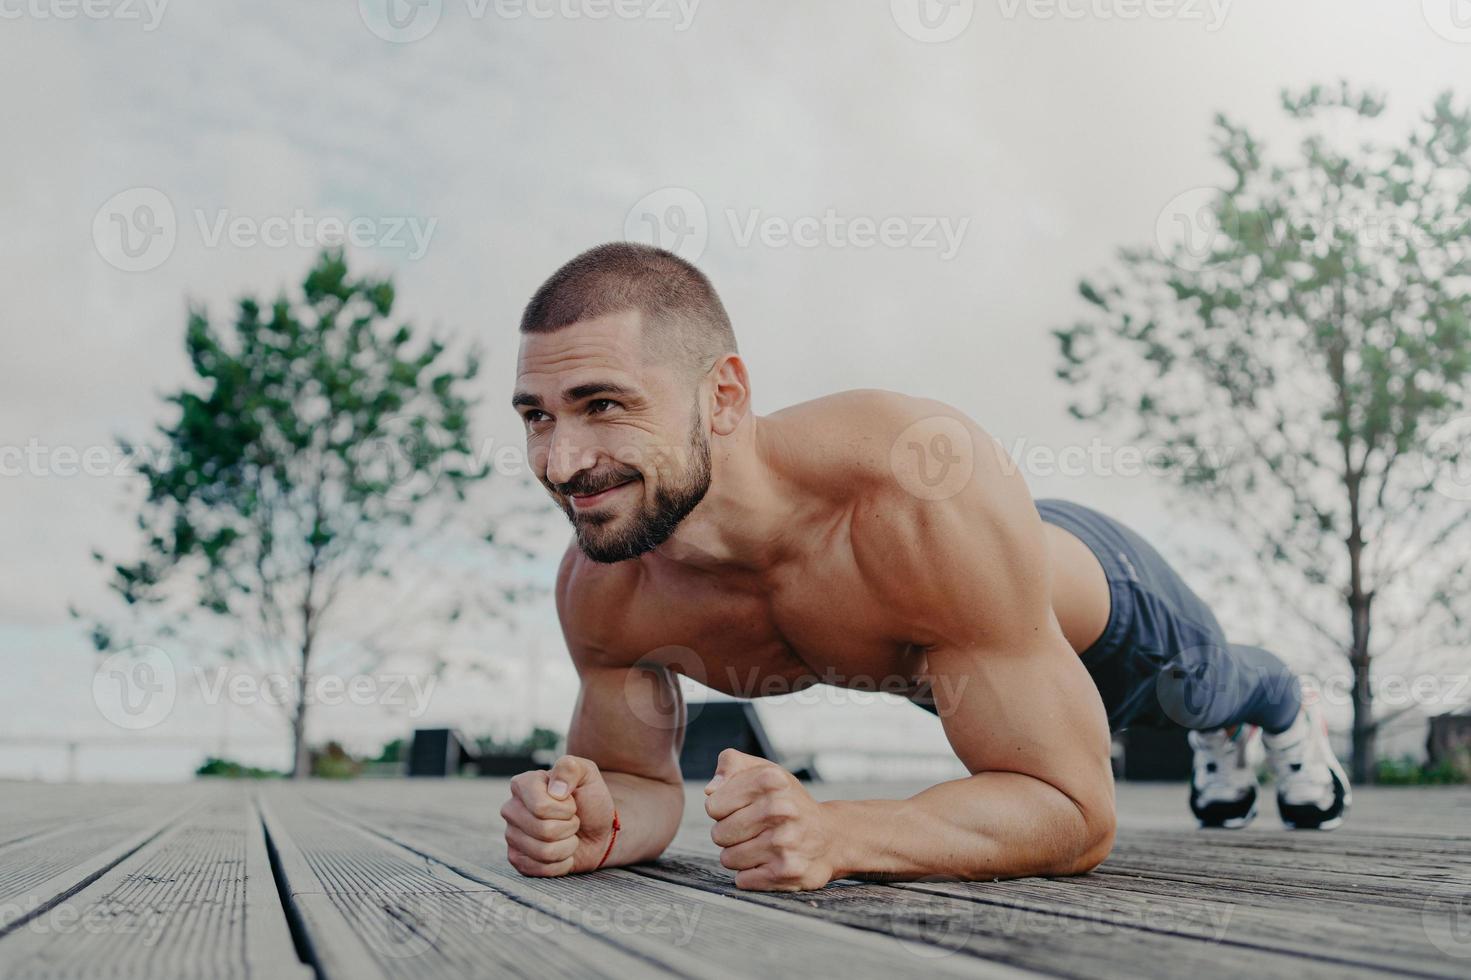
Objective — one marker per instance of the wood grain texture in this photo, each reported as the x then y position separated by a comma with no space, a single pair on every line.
370,909
380,879
692,931
198,900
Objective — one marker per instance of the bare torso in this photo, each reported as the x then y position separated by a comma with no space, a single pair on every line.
816,616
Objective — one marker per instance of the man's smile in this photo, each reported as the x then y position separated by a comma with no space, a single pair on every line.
586,501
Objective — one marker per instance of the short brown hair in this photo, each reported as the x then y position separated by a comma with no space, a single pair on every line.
683,315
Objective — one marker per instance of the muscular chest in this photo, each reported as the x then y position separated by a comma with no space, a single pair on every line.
801,630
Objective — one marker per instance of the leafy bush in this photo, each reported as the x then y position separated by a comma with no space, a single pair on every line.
1405,771
230,769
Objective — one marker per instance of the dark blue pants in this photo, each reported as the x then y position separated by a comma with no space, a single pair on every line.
1163,660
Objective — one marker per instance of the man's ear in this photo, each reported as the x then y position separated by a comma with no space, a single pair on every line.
730,394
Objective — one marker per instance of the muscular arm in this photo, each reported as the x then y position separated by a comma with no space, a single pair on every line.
1017,705
629,718
630,721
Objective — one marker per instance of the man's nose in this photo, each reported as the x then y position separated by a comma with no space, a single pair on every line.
567,456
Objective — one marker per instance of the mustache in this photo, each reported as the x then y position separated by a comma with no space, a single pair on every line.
591,483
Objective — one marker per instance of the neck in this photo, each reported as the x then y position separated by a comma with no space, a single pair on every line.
743,521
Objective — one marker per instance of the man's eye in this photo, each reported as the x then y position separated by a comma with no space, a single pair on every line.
600,405
535,415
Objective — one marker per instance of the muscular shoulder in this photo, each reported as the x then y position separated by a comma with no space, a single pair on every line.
594,603
942,524
870,438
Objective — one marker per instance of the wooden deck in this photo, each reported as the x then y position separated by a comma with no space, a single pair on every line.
409,879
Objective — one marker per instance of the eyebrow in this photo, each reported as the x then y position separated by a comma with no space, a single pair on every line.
576,393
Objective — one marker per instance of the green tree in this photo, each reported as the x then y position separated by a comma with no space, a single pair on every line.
314,434
1301,353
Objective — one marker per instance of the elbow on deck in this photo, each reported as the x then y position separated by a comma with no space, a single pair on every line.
1095,843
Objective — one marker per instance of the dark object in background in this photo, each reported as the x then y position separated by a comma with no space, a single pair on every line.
507,764
1449,741
1156,754
718,725
438,752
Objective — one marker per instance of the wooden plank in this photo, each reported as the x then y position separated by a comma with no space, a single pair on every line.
1038,939
29,809
43,869
1288,892
367,908
693,932
1024,937
196,901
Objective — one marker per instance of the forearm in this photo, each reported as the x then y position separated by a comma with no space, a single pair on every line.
990,825
649,811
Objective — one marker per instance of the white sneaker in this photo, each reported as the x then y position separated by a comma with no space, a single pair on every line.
1222,783
1312,789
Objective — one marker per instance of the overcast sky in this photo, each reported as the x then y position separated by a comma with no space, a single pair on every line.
886,194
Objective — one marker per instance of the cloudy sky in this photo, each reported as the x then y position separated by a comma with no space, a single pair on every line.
888,194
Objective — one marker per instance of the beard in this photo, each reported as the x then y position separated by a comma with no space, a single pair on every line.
608,538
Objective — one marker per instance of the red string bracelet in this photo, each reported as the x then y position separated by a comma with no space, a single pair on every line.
613,840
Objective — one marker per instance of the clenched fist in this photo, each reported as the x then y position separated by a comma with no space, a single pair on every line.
771,831
558,821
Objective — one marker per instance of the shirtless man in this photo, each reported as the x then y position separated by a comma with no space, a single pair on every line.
869,540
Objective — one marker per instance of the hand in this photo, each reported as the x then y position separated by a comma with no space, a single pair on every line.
771,831
560,821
